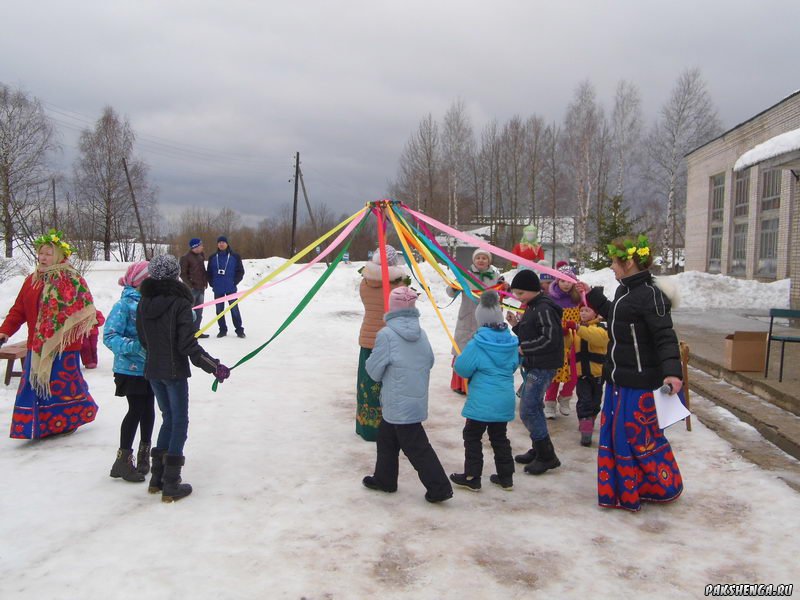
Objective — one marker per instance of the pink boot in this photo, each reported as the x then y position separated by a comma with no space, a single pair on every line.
586,427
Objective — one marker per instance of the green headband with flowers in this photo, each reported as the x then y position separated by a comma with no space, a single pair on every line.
56,238
634,249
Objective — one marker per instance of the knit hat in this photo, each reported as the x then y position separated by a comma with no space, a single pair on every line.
561,263
222,238
195,242
135,274
402,297
391,256
164,266
479,251
488,311
545,276
568,270
526,280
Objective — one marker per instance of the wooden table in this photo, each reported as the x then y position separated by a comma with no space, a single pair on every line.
12,352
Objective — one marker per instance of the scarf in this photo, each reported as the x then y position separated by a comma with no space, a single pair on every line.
66,314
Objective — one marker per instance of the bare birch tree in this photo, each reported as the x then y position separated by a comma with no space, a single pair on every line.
457,149
101,185
26,139
626,130
581,127
687,120
534,155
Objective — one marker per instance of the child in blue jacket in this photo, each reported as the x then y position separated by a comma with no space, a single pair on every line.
121,338
402,360
489,361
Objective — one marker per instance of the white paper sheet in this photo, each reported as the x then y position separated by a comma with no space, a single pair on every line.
669,409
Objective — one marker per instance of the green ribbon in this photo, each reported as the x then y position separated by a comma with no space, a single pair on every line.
303,303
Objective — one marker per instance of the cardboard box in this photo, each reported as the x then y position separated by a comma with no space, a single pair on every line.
746,351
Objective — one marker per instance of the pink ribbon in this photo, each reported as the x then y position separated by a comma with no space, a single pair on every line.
339,239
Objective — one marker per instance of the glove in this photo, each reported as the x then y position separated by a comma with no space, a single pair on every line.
222,372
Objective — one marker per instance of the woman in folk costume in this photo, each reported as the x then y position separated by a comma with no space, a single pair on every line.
635,462
528,247
568,297
57,306
368,392
466,326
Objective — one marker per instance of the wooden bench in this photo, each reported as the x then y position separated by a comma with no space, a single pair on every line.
780,313
12,352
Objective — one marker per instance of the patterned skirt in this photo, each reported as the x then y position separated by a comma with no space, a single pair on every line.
368,404
69,406
568,372
634,461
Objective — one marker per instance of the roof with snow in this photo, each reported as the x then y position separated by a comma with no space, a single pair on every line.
785,148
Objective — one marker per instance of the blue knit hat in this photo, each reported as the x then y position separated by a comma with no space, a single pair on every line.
195,242
222,238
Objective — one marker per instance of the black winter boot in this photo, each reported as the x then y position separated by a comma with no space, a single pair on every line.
143,458
174,490
546,458
526,458
157,472
123,467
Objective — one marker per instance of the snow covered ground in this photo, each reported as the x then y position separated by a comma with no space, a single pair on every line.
279,511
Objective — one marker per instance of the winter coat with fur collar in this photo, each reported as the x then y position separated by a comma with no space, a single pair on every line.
643,347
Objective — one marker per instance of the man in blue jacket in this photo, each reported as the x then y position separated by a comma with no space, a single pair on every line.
225,271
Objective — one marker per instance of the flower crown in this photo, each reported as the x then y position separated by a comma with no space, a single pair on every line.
56,238
637,249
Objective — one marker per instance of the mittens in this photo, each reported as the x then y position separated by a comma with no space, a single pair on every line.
222,372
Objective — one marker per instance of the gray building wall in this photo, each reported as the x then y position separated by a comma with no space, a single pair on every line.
718,157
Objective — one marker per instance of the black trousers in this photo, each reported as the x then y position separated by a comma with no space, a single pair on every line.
141,415
413,441
473,448
590,396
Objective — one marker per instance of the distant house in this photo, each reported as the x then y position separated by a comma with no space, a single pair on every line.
743,196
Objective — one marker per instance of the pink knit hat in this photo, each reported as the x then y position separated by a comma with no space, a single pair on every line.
135,274
402,297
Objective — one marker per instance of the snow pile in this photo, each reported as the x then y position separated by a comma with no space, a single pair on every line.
701,291
278,509
780,144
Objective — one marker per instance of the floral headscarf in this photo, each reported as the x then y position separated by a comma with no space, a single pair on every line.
66,314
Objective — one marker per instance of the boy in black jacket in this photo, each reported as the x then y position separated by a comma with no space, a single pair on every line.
166,329
541,344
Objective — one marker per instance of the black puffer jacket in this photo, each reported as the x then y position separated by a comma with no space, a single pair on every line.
540,336
643,347
166,329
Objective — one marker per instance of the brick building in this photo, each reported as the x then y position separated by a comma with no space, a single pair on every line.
743,199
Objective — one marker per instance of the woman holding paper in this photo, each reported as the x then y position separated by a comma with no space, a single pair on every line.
635,462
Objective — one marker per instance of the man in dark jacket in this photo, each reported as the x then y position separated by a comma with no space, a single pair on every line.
193,274
541,344
166,330
225,271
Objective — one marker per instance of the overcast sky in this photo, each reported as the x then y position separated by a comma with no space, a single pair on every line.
222,94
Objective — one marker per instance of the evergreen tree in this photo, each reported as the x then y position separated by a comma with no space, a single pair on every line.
615,222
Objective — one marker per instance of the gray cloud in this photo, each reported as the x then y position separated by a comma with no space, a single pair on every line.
222,95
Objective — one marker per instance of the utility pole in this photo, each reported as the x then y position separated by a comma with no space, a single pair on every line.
292,250
136,210
55,211
308,206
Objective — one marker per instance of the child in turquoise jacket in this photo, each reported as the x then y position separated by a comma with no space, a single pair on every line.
489,361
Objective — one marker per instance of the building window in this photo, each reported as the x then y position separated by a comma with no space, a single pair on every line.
768,248
771,190
717,197
741,194
739,254
715,250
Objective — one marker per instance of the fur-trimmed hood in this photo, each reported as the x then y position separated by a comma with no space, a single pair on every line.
158,295
669,287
